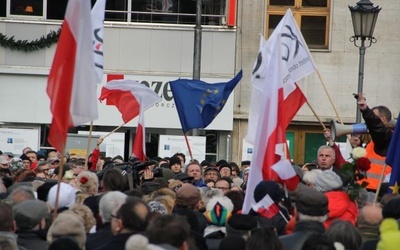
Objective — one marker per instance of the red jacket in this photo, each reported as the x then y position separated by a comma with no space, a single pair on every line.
341,207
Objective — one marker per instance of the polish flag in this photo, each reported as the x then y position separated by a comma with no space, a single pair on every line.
282,60
130,97
266,207
98,34
71,84
286,173
139,143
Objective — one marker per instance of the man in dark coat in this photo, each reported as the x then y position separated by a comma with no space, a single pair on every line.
30,218
131,218
107,205
311,210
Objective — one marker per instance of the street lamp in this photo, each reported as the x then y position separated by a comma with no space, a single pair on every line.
364,16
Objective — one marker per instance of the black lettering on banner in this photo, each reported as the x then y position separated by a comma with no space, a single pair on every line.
167,93
157,87
145,83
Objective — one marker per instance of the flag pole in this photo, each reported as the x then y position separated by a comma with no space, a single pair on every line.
114,130
315,114
187,143
329,97
379,185
59,177
88,145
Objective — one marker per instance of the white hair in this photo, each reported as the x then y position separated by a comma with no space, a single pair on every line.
109,202
140,242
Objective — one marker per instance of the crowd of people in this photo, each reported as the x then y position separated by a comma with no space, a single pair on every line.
51,200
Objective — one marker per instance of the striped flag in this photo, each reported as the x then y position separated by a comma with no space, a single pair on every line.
71,84
98,34
282,60
139,143
130,97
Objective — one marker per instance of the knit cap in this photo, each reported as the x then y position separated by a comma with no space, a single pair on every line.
268,187
157,207
310,177
327,181
218,210
66,195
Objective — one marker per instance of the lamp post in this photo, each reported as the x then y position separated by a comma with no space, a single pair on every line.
197,49
364,16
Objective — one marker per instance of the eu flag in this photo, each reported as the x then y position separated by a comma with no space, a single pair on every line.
393,159
198,102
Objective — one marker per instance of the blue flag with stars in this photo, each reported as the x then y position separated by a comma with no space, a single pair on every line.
393,159
198,102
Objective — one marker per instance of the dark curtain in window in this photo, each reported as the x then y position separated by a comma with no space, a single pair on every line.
3,6
56,9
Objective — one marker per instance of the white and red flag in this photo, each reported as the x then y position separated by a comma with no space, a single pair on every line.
98,12
282,60
71,84
266,207
129,96
139,143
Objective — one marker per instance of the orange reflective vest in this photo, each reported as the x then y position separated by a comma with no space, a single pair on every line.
377,164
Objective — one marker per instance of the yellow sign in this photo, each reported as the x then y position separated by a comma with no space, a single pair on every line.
82,152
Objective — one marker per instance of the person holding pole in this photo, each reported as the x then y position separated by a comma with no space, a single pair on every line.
380,126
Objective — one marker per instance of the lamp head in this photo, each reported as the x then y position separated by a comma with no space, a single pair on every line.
364,16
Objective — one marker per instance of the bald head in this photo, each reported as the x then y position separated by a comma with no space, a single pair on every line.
370,214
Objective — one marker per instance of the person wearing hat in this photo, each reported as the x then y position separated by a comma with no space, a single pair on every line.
54,162
7,226
218,211
175,164
244,164
4,163
225,170
211,173
311,210
340,206
30,219
26,162
270,215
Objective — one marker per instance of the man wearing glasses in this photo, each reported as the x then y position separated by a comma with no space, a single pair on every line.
42,170
224,184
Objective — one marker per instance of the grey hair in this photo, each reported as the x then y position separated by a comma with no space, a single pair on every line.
109,202
327,147
24,190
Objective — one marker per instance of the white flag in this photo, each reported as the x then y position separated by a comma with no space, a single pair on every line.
98,34
282,60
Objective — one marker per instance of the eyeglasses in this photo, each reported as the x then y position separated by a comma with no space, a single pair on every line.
211,173
222,188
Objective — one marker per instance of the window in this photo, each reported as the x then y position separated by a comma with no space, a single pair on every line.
26,8
135,11
312,16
